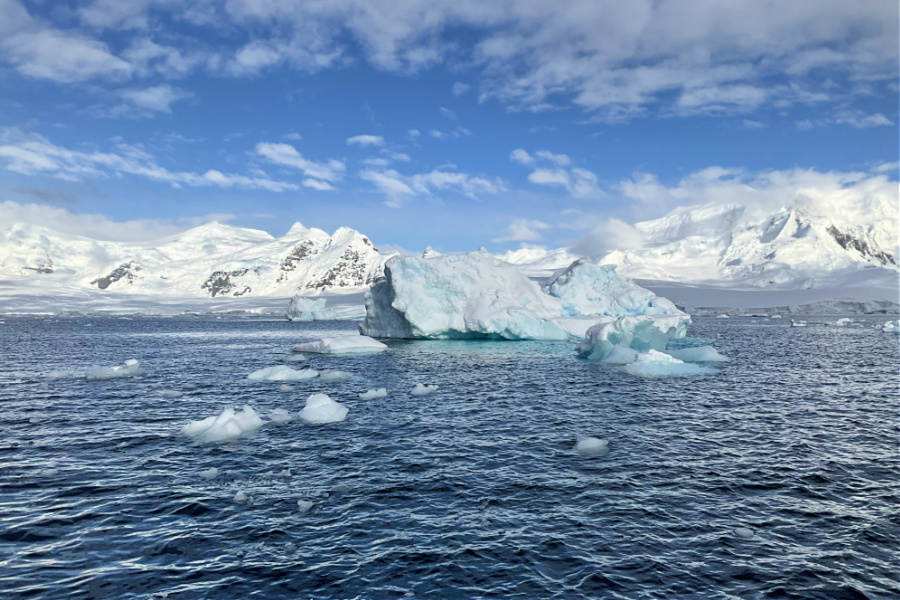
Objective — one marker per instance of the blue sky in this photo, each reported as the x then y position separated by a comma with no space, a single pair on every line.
450,123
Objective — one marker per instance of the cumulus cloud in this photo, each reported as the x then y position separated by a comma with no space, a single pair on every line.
32,154
610,234
287,156
154,99
580,183
398,188
522,230
97,226
460,88
62,57
365,140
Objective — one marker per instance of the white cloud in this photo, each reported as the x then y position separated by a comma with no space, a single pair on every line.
286,155
860,120
33,154
413,133
749,124
377,162
460,88
560,159
365,140
550,177
399,187
522,230
317,185
608,235
455,134
580,183
157,99
520,156
63,57
97,226
447,113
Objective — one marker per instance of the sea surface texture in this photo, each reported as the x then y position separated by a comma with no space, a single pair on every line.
776,477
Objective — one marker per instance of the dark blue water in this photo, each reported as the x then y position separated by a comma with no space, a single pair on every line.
475,492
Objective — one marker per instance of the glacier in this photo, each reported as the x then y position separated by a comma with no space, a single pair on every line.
478,296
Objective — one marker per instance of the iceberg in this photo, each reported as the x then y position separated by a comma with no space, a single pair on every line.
282,373
347,344
591,445
478,296
639,333
659,364
698,354
131,368
229,425
424,390
321,409
891,327
301,308
374,394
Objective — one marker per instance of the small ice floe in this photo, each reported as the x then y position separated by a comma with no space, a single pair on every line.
229,425
374,394
131,368
280,416
57,374
321,409
843,322
775,317
304,506
241,497
698,354
285,388
283,373
660,364
424,390
591,445
744,533
171,394
210,473
335,376
294,358
798,323
722,316
891,327
48,472
346,344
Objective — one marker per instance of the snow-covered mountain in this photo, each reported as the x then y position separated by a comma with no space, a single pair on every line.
802,245
536,261
212,260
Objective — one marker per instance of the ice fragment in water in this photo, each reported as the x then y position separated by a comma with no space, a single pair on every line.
335,376
304,505
345,344
294,358
282,373
279,416
744,532
286,388
374,394
424,390
241,497
210,473
321,409
591,445
660,364
170,394
698,354
131,368
229,425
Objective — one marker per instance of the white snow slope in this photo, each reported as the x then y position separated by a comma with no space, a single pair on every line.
213,260
815,242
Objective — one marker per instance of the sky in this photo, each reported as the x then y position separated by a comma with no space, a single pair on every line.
450,123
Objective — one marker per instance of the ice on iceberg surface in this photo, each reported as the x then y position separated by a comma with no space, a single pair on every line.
478,296
131,368
591,445
346,344
698,354
229,425
335,376
282,373
302,308
322,409
374,394
660,364
640,333
424,390
279,416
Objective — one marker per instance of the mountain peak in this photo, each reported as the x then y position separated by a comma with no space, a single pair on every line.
297,229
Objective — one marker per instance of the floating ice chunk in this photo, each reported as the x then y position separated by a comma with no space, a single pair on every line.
347,344
210,473
190,386
591,445
798,323
660,364
286,473
620,355
891,327
698,354
294,358
744,533
424,390
48,472
322,409
171,394
241,498
775,317
723,316
282,373
131,368
304,506
335,376
56,374
285,388
301,308
374,394
279,416
640,333
227,426
843,322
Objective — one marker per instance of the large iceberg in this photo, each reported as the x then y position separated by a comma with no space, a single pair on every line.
478,296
